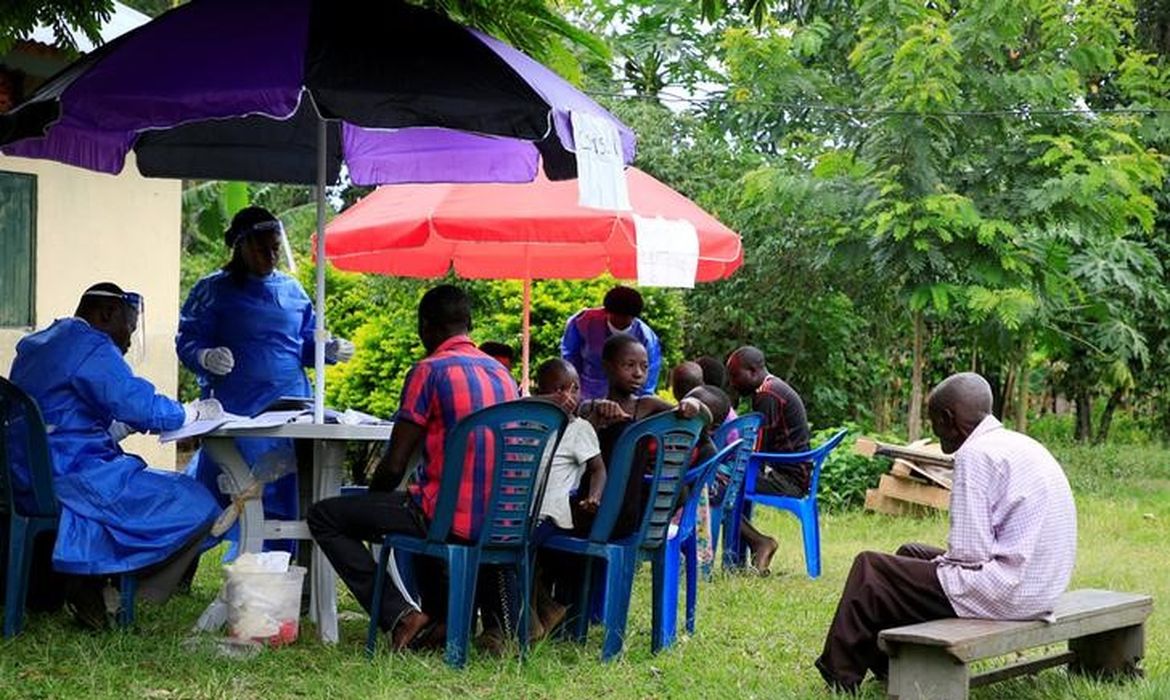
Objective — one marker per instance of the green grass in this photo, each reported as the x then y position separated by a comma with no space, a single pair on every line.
756,637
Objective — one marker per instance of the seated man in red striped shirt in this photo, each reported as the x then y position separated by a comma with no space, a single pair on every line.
453,380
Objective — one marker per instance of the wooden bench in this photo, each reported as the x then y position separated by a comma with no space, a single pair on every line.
1105,632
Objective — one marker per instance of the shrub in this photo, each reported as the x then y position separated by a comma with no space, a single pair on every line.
1127,429
378,314
846,475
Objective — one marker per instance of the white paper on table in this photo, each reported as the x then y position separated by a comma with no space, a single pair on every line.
601,175
668,252
268,419
199,427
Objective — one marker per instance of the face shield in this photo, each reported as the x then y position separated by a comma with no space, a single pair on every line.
135,324
273,226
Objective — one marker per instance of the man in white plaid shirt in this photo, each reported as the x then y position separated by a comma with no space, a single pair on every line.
1009,555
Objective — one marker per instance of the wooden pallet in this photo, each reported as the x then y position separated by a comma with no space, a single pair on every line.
912,487
906,489
880,503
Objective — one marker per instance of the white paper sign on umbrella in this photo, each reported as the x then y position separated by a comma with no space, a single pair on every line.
668,252
601,177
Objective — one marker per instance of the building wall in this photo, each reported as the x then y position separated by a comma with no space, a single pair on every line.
123,229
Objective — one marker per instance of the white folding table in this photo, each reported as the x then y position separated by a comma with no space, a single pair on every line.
329,440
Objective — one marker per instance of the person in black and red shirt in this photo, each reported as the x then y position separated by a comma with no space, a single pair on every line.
454,380
785,429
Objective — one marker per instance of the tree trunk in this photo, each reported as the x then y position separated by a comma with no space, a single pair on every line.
1107,417
1021,403
914,417
1002,400
1084,410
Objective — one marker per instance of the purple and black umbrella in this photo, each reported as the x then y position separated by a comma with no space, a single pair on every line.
233,89
288,90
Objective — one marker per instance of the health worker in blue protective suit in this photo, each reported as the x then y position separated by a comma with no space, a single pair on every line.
246,331
117,514
587,331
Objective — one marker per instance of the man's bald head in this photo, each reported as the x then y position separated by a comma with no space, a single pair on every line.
956,406
684,377
746,370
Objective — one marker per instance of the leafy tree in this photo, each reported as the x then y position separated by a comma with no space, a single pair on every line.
967,158
658,43
152,8
19,17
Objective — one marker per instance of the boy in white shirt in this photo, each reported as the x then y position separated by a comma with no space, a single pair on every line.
578,453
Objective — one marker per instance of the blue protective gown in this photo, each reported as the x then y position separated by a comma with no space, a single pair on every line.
267,322
586,333
117,515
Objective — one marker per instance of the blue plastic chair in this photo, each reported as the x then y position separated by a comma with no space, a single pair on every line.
744,428
23,441
522,432
805,509
674,438
685,544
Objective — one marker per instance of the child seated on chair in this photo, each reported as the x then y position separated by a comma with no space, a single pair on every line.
626,364
717,402
577,453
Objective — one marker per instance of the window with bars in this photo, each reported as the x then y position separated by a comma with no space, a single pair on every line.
18,197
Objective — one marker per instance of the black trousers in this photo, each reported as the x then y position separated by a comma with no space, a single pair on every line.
343,526
46,587
785,480
882,591
156,583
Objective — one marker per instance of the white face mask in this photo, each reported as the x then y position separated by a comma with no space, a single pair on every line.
612,329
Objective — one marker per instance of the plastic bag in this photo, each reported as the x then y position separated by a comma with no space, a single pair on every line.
263,598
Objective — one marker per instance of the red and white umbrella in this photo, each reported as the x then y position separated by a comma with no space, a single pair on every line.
526,231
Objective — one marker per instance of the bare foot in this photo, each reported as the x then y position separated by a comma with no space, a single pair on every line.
408,628
432,638
551,615
762,557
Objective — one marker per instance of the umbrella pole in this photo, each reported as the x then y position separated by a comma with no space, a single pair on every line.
526,334
319,331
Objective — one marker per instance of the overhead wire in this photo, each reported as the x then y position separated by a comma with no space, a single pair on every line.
855,110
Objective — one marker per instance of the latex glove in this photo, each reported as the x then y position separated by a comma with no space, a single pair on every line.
119,430
218,361
203,409
338,350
